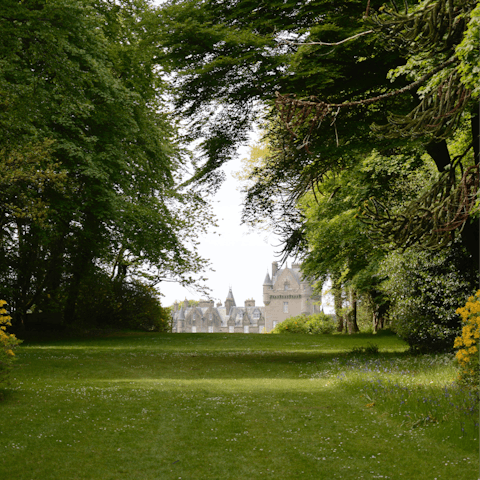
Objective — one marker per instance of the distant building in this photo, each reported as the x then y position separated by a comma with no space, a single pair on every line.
284,294
206,317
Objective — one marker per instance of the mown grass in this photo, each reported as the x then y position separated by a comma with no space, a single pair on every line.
219,406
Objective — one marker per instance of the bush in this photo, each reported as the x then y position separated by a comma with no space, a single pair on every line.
320,323
8,343
425,289
317,323
133,305
467,343
292,325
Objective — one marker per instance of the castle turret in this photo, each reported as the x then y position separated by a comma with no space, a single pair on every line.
229,302
181,320
267,288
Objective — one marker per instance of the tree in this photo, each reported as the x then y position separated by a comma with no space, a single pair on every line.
427,38
339,85
340,246
330,66
426,289
231,57
82,78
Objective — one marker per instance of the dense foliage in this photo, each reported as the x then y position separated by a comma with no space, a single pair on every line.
318,323
131,305
89,162
426,289
371,121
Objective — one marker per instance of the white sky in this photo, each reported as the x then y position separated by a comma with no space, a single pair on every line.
239,257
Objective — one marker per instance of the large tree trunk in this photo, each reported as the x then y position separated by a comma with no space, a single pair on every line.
352,314
338,302
82,265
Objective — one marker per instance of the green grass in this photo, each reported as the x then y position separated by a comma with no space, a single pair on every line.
219,406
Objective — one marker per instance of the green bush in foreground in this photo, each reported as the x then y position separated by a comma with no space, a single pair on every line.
318,323
426,289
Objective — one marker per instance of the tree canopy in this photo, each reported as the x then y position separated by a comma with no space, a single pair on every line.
91,159
334,83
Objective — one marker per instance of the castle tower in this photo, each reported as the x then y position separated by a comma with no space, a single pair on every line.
267,288
181,320
229,302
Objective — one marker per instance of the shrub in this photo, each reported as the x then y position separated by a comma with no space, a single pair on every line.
319,323
467,343
425,289
292,325
133,305
8,343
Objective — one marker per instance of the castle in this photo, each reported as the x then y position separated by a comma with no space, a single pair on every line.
285,295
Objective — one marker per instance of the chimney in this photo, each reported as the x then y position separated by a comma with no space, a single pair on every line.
274,269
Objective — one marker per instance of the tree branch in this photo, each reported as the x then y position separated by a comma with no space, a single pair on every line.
330,44
367,101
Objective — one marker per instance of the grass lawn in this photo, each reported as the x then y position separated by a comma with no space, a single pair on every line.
219,406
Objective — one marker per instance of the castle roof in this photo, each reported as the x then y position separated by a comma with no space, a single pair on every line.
295,271
267,280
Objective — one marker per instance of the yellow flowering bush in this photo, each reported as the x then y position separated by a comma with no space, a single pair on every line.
467,344
8,343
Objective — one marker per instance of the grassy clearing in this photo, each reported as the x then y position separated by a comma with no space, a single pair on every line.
216,406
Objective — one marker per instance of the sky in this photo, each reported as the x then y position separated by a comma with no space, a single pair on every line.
240,258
